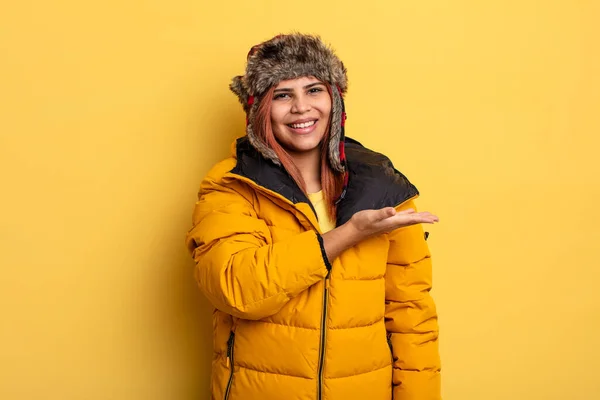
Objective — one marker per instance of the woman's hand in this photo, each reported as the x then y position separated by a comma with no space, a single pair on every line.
369,223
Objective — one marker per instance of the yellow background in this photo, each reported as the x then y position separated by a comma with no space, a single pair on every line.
111,113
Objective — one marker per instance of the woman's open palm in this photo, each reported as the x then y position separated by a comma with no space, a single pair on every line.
375,222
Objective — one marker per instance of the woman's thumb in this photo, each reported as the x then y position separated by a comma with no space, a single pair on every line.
386,213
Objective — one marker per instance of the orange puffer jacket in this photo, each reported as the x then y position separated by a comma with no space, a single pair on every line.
291,324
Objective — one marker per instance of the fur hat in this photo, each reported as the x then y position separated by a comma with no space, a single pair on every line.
288,57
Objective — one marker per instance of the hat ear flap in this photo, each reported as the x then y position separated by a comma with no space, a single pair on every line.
336,132
238,87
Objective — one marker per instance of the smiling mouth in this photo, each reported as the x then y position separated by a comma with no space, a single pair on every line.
303,125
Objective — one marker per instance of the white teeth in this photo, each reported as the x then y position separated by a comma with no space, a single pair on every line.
303,125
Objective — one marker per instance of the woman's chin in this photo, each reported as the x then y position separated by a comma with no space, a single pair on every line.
304,146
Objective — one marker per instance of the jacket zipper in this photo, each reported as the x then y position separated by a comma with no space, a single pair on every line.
230,343
323,337
325,290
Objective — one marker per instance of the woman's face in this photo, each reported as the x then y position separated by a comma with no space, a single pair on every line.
300,114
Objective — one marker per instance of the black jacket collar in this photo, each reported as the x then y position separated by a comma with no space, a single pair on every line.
373,181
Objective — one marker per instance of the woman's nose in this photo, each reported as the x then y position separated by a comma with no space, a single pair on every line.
300,104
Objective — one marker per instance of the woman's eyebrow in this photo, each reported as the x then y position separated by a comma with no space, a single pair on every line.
305,87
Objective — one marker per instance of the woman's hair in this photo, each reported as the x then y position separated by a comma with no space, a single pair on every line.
331,183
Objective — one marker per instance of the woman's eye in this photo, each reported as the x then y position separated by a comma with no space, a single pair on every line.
280,96
315,90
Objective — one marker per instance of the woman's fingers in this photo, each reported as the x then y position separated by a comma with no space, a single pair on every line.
407,211
419,215
388,219
407,219
425,217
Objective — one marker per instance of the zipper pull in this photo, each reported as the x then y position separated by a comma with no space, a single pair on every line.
228,362
327,283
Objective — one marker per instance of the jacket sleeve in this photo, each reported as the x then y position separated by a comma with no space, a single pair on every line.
411,317
238,267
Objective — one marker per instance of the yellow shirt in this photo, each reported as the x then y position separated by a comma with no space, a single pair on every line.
325,222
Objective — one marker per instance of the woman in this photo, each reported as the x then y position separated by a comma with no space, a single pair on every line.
309,248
